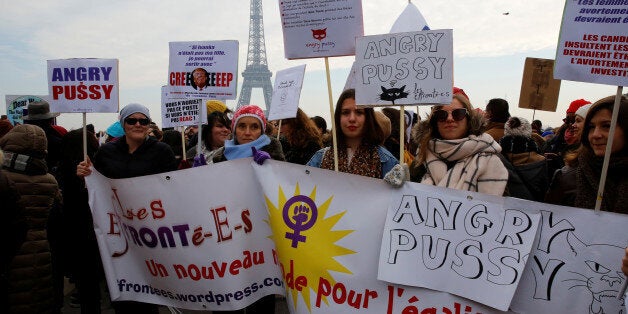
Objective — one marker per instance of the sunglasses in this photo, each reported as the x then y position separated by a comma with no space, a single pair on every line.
457,114
133,121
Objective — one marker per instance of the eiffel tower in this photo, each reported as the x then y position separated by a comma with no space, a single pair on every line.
256,73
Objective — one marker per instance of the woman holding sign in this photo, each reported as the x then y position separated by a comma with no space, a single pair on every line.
249,125
359,137
455,152
589,158
132,155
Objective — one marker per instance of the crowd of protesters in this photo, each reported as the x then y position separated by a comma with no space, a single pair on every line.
48,221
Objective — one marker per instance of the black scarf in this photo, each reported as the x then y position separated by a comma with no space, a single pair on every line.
615,196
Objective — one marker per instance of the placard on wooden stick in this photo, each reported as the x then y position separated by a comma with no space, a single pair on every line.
539,89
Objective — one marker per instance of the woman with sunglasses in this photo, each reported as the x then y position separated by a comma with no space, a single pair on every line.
132,155
359,137
135,153
455,152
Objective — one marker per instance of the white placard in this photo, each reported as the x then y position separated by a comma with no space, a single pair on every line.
83,85
214,63
593,43
286,93
411,68
320,28
177,111
460,242
16,104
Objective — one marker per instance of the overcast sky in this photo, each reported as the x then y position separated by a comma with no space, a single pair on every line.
490,46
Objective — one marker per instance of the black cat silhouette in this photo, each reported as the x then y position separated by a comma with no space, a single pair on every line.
392,94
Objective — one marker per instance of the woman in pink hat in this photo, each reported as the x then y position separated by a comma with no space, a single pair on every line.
249,140
248,126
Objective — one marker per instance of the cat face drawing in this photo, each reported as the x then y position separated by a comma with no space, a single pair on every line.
602,280
392,94
319,34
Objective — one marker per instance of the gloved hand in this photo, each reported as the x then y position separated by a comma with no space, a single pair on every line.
199,161
399,174
259,155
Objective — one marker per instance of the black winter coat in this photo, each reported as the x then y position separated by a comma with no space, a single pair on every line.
114,161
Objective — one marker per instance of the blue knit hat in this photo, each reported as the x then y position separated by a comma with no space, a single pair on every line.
115,130
131,109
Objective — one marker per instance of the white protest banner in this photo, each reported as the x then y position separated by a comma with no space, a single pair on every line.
593,43
180,111
460,242
320,28
204,69
575,266
83,85
404,68
328,228
175,245
286,93
16,104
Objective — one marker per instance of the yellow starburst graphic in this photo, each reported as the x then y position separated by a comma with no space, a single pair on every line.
306,243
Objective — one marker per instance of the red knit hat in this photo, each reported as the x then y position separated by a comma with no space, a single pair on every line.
458,90
249,111
573,107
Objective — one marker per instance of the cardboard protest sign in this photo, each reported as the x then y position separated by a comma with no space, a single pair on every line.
83,85
460,242
176,111
17,104
539,88
593,43
204,69
404,68
286,93
320,28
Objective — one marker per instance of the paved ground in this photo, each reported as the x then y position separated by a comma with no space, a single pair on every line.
281,307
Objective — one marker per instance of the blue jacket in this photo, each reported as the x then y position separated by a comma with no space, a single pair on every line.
387,159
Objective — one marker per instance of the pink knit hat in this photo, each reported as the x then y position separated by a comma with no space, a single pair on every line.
249,111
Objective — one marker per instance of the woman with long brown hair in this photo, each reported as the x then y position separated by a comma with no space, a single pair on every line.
300,138
455,152
359,137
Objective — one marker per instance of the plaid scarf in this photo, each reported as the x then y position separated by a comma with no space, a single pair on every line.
469,164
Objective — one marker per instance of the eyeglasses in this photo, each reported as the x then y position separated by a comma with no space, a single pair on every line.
133,121
457,114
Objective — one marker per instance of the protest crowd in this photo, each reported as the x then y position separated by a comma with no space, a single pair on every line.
49,227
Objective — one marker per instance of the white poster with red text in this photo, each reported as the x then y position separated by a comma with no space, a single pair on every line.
320,28
203,69
593,43
83,85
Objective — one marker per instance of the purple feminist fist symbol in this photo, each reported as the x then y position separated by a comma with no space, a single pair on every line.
303,217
